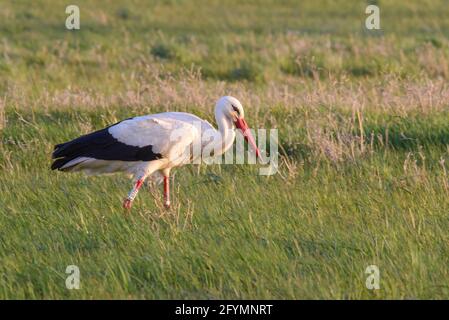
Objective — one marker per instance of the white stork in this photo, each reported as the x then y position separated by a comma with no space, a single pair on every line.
152,144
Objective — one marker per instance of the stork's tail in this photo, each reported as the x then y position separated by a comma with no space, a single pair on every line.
64,156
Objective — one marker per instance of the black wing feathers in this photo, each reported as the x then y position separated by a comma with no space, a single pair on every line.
100,145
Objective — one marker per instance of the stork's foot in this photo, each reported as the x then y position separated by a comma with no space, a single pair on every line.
127,203
167,205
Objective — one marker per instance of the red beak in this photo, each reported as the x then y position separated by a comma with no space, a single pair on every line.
243,126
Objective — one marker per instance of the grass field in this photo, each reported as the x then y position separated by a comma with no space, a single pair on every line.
363,124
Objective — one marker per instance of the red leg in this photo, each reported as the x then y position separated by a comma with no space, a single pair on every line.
132,194
167,192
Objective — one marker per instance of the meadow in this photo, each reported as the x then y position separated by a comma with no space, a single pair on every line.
363,124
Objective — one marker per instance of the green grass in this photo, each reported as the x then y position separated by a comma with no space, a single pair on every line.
363,130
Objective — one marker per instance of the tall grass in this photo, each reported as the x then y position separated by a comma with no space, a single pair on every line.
363,131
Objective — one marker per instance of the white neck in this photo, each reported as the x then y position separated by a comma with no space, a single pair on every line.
225,134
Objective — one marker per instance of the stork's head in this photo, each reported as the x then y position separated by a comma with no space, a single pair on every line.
232,109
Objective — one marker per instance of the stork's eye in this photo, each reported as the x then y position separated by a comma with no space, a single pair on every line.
235,109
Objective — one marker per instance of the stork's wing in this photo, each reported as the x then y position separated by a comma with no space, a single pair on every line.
163,134
167,136
137,139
